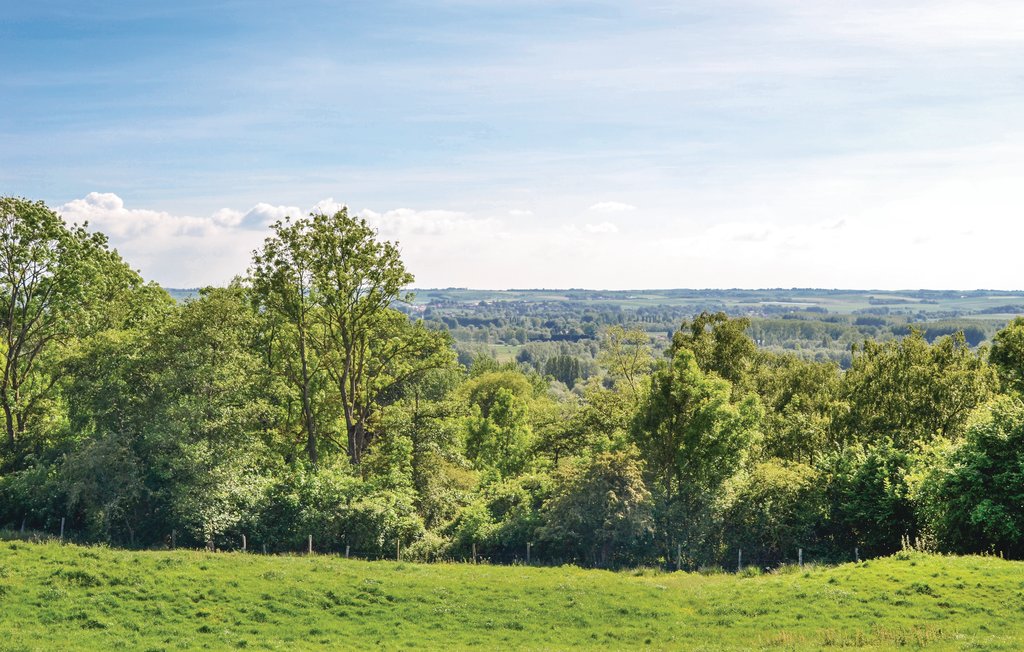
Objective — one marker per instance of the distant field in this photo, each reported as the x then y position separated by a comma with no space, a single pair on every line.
835,301
67,597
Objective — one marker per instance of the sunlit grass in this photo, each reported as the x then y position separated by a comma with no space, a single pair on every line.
68,597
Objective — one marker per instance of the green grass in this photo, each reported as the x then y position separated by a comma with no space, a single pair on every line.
68,597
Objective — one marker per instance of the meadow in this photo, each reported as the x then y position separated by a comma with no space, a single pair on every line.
55,596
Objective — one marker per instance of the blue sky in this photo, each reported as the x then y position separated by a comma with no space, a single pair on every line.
743,143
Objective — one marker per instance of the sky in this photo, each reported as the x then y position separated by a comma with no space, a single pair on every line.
535,143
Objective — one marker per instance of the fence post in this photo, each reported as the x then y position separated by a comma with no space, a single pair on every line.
800,556
174,539
346,551
23,525
264,548
474,553
679,556
739,561
62,528
245,544
856,553
309,547
398,550
528,544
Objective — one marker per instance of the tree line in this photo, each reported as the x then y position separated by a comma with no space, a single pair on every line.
303,400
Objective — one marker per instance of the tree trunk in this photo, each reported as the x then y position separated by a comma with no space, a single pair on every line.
307,408
9,422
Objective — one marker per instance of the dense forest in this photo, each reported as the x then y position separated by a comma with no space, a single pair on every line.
313,396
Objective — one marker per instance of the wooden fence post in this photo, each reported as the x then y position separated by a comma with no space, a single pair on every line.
346,551
309,547
474,553
528,553
62,528
245,544
398,551
800,555
856,553
739,561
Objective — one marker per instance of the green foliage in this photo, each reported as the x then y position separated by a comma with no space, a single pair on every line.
626,354
501,439
330,284
720,345
800,399
566,369
910,391
312,398
772,511
338,509
693,438
871,499
601,512
1007,356
974,497
56,283
502,520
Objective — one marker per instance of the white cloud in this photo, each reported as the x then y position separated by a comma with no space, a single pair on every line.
403,223
518,212
611,207
327,206
602,227
262,215
943,218
178,250
106,212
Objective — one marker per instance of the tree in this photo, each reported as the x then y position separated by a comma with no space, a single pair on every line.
564,368
177,420
500,437
973,501
719,344
693,438
909,391
282,279
334,283
601,511
55,283
799,397
772,511
870,497
627,356
1007,355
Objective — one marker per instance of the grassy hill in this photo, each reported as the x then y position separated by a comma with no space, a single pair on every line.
68,597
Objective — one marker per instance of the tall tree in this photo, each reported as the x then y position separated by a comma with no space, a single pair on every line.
337,285
55,282
282,279
693,438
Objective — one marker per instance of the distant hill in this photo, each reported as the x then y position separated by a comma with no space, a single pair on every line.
180,294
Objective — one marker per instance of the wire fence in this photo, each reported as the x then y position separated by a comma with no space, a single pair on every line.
743,562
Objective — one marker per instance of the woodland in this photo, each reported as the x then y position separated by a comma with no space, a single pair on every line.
313,399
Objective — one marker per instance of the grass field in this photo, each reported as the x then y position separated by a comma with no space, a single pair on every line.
67,597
